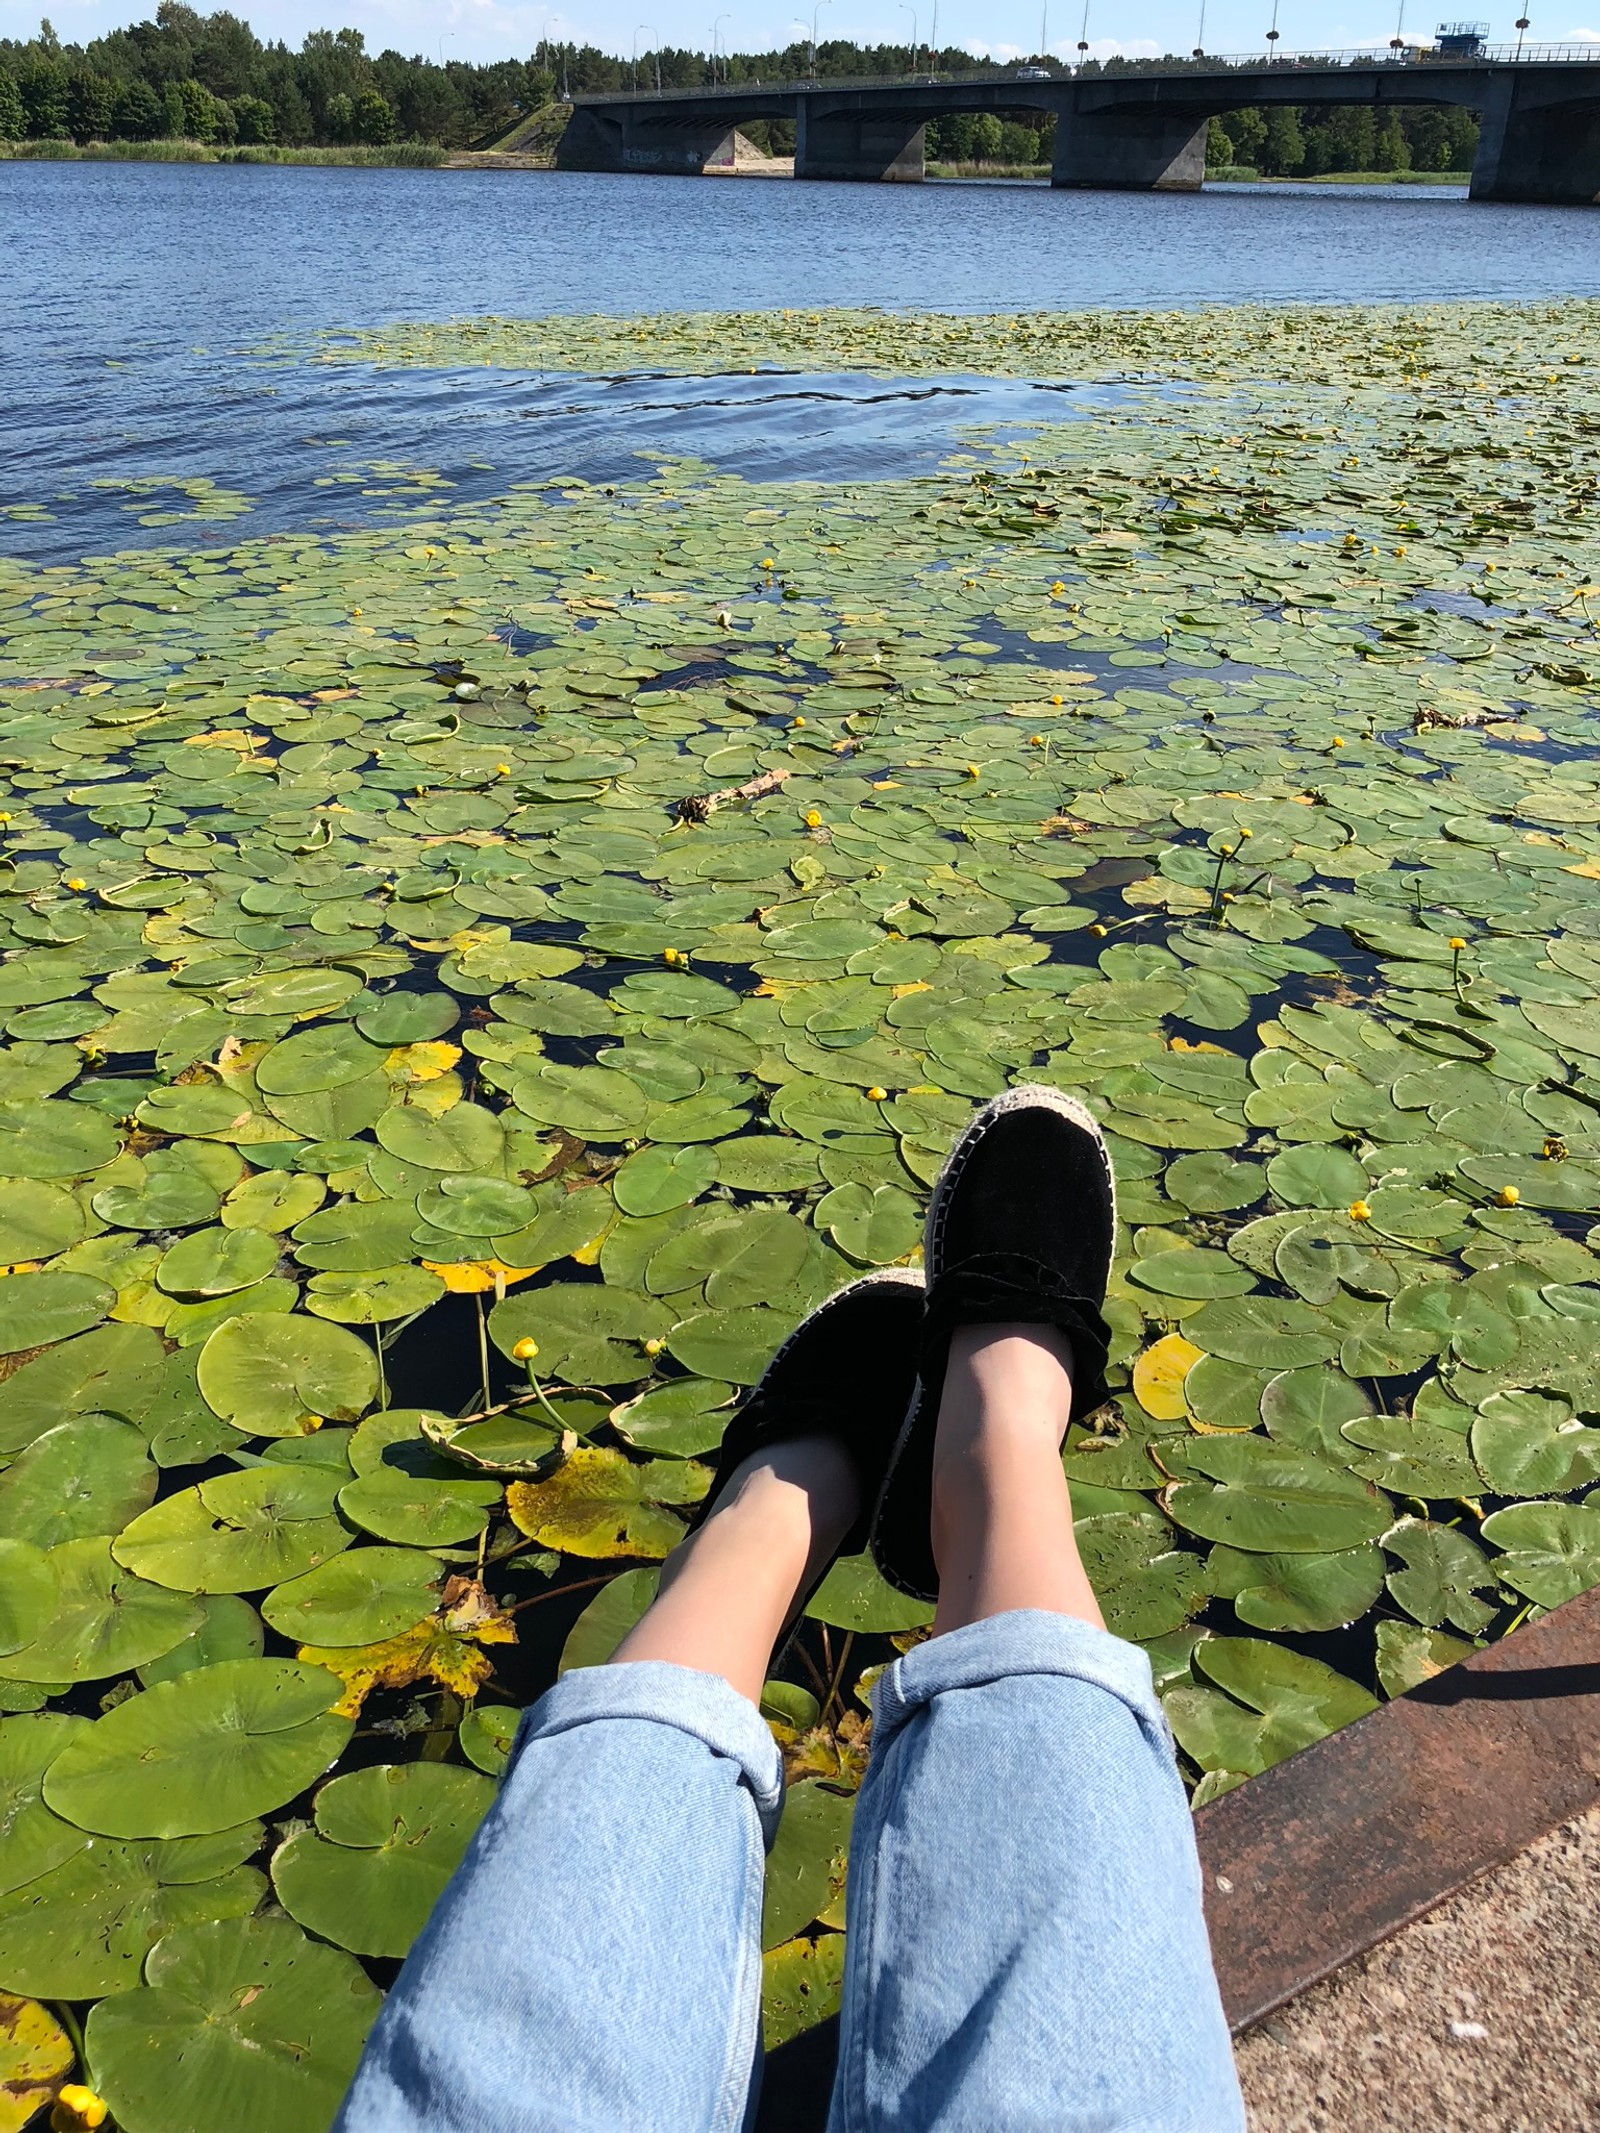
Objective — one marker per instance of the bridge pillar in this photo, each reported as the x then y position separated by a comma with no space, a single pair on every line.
883,146
1127,149
1533,147
618,138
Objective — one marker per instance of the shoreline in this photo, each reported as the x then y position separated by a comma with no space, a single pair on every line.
421,155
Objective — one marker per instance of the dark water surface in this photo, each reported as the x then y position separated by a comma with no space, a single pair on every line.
133,291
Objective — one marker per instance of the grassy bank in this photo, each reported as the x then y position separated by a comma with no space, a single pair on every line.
1245,174
988,170
407,154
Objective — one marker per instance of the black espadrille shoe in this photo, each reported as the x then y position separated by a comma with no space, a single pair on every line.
846,1372
1021,1230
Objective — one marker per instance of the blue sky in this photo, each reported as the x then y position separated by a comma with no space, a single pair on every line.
493,29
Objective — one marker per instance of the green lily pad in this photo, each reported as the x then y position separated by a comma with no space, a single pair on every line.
87,1476
86,1926
280,1377
359,1597
410,1508
806,1864
1552,1550
586,1334
243,2009
1273,1499
238,1532
1297,1592
1146,1587
36,1309
103,1619
854,1596
201,1753
486,1736
656,1179
682,1418
1442,1574
387,1839
1531,1444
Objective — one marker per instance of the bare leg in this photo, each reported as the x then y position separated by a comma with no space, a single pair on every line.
1002,1514
729,1589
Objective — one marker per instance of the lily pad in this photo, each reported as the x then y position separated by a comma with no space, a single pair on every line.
386,1841
201,1753
241,2014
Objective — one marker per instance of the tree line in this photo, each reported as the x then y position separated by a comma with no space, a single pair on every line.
210,78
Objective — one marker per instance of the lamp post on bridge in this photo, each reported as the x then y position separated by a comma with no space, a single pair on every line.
715,28
1523,27
655,35
1044,29
815,12
907,9
1199,51
1083,37
1397,43
1272,35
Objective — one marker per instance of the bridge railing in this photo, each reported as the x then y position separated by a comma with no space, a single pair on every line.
1543,55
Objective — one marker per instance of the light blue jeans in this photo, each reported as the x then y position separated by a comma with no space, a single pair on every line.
1026,1952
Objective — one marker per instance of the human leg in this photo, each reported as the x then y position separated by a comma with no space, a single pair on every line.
1027,1948
595,1965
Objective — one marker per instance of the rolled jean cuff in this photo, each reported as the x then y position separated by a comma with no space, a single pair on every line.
1026,1641
704,1706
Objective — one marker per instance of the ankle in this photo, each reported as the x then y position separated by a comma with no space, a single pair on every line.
801,1495
1016,1379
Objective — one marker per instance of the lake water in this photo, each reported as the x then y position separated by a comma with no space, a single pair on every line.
135,290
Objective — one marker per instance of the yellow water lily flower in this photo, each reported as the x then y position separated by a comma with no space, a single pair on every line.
1360,1211
75,2107
875,1095
525,1350
1507,1196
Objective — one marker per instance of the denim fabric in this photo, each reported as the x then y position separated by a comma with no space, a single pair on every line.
1026,1955
1027,1951
595,1965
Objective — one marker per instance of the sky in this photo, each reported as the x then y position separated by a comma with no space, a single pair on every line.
1001,29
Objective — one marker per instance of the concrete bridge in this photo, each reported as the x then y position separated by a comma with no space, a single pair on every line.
1540,138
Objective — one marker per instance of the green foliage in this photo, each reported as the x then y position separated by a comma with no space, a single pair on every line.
13,117
373,118
254,120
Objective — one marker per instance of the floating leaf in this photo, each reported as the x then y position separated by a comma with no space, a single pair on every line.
248,2010
1273,1499
386,1841
600,1504
280,1377
1552,1550
806,1864
200,1753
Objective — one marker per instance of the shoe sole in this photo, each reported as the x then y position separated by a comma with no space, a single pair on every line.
1031,1096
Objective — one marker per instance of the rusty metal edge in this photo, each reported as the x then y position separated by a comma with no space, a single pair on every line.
1322,1857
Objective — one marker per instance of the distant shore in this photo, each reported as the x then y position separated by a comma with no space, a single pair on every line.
418,155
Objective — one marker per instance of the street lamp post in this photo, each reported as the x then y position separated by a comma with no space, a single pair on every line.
1083,35
1044,28
1523,26
1272,34
907,9
815,13
715,29
655,35
1397,43
1199,51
